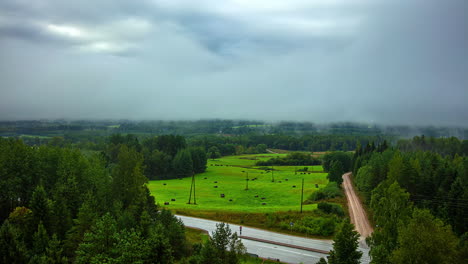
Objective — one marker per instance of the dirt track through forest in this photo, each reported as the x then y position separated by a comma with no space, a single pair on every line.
356,211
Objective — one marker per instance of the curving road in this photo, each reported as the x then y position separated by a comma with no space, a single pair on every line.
356,211
285,248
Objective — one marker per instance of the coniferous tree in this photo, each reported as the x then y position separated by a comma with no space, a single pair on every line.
345,246
183,164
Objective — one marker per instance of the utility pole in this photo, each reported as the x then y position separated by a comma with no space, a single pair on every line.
302,193
192,186
272,176
193,180
246,180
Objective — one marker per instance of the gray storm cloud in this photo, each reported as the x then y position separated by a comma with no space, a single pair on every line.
389,62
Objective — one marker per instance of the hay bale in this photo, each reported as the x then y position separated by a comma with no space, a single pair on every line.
164,184
173,200
216,186
222,195
166,203
294,186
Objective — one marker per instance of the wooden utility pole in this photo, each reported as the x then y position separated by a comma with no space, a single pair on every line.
302,193
247,181
192,186
272,176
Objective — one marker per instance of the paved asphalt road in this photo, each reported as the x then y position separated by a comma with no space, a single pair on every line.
267,250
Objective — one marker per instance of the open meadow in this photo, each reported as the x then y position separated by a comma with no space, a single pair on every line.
228,176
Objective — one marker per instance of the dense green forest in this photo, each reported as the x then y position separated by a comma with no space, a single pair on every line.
60,206
417,193
70,190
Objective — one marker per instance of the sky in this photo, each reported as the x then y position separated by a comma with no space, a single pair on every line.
373,61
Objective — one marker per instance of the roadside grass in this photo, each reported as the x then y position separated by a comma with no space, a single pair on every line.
256,260
229,175
194,235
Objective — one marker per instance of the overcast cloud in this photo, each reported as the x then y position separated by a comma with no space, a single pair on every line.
390,62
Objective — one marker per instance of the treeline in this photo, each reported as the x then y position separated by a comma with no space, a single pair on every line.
444,146
292,159
418,199
164,157
216,126
252,144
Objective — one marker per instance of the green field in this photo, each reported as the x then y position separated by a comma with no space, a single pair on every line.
230,174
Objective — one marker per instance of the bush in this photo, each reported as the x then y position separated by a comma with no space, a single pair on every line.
330,208
323,226
330,191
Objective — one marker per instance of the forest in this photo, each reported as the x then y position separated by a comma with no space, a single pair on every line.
60,206
78,201
417,193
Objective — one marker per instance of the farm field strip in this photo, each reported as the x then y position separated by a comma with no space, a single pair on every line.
224,176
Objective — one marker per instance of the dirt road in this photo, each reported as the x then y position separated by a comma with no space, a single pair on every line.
356,211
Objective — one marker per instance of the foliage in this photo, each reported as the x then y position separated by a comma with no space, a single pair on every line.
318,226
336,172
225,247
75,209
330,191
345,246
424,234
183,164
214,153
391,207
294,159
331,208
343,158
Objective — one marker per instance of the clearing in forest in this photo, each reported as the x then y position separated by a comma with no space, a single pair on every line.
227,177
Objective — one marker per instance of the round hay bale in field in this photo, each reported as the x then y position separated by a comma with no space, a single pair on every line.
230,200
222,195
263,198
205,178
216,186
294,186
164,184
215,181
173,200
166,203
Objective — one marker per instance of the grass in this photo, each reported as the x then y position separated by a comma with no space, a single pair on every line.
256,260
252,126
195,236
35,136
230,173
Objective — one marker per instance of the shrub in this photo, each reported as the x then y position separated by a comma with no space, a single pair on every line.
330,191
330,208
